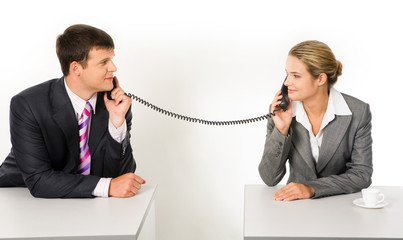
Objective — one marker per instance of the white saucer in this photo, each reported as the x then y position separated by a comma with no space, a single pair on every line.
359,202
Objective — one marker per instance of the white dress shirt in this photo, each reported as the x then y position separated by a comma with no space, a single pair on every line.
335,106
118,134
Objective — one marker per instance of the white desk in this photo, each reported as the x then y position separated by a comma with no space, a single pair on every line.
333,217
25,217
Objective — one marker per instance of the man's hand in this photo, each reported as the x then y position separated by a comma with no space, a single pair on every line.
126,185
293,191
117,107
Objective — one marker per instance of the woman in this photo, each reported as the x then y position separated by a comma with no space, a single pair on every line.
324,134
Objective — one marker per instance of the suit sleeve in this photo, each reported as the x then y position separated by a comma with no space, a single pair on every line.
359,169
277,146
33,160
120,160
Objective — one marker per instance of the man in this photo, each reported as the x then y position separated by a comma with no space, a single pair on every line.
68,139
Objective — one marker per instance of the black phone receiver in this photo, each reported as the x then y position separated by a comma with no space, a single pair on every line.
108,93
285,100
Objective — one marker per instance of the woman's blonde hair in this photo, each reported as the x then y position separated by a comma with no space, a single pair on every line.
318,58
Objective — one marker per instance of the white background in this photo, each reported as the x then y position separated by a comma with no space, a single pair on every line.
216,60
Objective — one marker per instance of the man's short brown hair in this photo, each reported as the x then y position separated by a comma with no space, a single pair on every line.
77,41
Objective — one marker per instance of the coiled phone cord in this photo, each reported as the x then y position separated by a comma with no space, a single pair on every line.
197,120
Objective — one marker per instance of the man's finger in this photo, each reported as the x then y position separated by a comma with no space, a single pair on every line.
139,179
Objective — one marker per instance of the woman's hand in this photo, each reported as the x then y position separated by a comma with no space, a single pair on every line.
293,191
281,119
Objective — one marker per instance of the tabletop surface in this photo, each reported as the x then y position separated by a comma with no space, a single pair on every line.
23,216
330,217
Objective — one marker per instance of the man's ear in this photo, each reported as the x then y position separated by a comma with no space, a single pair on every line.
322,79
75,68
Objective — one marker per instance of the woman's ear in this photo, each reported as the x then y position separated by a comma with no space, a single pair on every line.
322,79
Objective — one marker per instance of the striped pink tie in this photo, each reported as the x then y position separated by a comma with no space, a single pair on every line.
85,157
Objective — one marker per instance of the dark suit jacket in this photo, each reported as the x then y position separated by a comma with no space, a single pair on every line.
345,156
45,145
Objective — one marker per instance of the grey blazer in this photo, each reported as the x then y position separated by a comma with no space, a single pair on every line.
345,156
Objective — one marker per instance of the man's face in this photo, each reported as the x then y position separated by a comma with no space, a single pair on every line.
97,76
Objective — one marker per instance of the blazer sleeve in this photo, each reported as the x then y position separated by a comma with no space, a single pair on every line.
359,168
120,160
277,146
34,162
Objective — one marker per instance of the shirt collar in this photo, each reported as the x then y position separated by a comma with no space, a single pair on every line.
335,106
339,104
79,103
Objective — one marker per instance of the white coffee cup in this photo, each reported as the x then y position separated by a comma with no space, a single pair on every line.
372,197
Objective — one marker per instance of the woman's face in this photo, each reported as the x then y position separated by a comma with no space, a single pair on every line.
301,84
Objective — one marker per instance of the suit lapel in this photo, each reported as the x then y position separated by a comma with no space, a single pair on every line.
332,136
302,144
99,124
64,116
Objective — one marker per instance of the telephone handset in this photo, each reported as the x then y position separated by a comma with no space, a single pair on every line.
186,118
108,93
285,100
